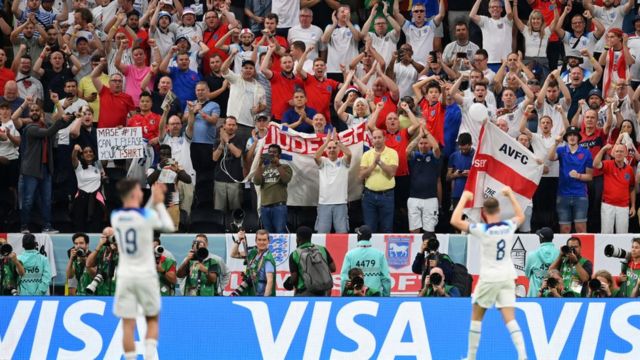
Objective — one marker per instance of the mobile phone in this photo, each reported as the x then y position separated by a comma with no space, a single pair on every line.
266,159
461,55
434,56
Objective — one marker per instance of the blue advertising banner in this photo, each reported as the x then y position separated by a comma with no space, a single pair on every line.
303,328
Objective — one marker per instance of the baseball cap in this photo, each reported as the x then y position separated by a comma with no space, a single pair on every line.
261,116
364,232
245,31
595,92
188,10
545,234
164,13
572,130
351,89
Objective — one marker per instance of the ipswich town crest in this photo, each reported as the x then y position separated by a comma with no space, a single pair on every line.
398,250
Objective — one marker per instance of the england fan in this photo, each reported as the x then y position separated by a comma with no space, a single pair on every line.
137,277
497,274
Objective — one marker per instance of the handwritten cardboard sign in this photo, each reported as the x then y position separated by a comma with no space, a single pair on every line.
120,143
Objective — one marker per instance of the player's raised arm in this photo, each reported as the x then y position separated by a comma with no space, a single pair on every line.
518,218
162,221
456,218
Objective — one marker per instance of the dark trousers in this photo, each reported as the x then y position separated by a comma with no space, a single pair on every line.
594,189
544,204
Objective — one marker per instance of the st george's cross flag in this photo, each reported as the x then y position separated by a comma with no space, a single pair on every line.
502,161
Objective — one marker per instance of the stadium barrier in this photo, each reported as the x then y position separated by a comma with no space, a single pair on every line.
303,328
400,250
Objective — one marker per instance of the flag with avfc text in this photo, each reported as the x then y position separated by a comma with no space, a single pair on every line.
502,161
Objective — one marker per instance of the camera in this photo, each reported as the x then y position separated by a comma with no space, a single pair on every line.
435,279
433,245
266,159
552,282
80,253
612,251
5,250
595,285
238,219
357,283
566,250
158,251
201,254
97,280
246,283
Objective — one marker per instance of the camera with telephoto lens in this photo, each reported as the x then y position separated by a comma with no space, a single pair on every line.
158,251
566,250
97,280
552,282
5,250
612,251
80,253
201,254
435,279
246,283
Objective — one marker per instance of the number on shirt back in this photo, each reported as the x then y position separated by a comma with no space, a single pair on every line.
128,242
365,263
500,249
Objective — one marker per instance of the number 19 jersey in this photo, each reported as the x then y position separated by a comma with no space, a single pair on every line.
133,229
496,241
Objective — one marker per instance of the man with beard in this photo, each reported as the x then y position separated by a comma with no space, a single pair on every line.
215,30
53,78
283,83
218,85
243,48
28,86
37,163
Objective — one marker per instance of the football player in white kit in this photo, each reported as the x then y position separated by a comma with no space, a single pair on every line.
137,283
496,285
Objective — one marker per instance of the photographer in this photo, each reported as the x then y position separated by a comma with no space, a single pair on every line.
538,261
602,285
429,257
629,279
166,268
10,269
79,275
105,259
575,269
372,261
37,273
356,287
308,276
434,285
553,286
169,172
260,274
200,269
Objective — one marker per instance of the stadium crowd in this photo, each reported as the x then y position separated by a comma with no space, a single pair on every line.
204,80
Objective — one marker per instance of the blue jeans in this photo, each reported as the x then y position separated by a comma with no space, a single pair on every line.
377,210
274,218
334,214
572,209
33,187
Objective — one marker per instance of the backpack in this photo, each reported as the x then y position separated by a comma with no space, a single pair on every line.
314,270
462,280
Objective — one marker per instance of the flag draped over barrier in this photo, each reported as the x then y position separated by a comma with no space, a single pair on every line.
502,161
298,150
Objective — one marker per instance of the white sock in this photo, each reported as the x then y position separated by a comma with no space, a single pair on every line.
130,355
474,339
517,338
150,348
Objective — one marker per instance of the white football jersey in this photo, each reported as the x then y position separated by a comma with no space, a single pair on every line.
133,229
496,241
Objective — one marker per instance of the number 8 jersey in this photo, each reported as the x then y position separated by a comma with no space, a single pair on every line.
133,229
496,241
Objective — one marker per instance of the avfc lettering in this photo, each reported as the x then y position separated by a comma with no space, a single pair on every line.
514,153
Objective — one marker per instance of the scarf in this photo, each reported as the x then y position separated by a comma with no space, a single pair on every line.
614,70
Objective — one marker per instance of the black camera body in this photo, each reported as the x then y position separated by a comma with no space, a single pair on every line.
80,252
566,250
357,283
5,250
552,282
201,254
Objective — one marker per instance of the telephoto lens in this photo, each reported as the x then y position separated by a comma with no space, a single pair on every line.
435,279
595,284
80,253
158,251
97,280
357,283
202,254
612,251
552,282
